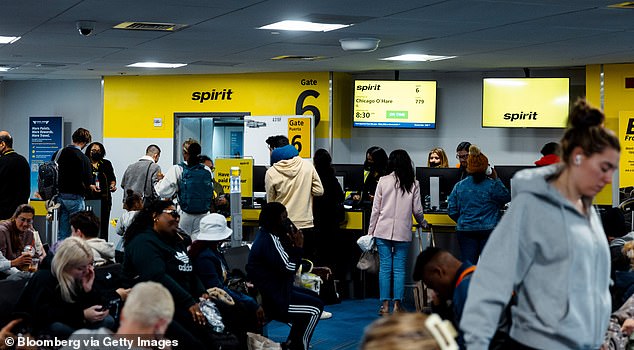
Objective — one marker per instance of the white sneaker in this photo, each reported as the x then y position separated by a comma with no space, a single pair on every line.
325,315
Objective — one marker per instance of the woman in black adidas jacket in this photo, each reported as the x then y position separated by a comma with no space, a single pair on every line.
274,259
155,251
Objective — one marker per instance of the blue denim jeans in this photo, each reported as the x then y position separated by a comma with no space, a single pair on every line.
471,244
69,205
392,257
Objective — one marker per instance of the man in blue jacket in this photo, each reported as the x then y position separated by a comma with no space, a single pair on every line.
448,277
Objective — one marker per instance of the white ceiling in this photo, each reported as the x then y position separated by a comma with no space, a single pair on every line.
221,36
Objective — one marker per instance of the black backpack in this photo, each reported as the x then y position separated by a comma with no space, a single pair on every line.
47,178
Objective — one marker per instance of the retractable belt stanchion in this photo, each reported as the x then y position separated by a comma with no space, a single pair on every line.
420,242
236,206
54,226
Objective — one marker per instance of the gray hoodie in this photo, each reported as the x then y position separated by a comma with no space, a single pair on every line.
102,250
555,259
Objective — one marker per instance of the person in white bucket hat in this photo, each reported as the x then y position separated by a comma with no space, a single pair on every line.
242,314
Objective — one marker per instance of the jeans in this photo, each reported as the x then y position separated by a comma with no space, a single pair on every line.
69,205
392,257
471,244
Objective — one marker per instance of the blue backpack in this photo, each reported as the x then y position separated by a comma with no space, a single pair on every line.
195,190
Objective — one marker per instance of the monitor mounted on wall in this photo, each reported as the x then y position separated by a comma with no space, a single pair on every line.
394,104
525,102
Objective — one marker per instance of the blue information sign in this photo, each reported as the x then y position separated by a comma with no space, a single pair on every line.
45,138
236,143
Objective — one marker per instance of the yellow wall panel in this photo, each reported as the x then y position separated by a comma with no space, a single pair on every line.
616,99
132,103
343,86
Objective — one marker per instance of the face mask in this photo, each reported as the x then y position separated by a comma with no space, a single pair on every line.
96,155
433,165
368,165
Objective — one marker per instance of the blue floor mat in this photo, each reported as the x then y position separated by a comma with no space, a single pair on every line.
341,332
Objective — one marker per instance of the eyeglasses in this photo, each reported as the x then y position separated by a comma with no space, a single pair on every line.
28,221
462,156
172,212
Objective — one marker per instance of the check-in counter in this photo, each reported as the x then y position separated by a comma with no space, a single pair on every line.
354,218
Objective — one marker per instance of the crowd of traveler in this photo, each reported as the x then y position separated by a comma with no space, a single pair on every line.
542,279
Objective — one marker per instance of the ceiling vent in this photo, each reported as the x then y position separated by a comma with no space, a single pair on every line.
160,27
298,58
49,65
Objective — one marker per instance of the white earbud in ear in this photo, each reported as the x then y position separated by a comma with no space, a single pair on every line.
578,159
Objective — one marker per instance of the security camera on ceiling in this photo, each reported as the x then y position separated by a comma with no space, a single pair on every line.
85,28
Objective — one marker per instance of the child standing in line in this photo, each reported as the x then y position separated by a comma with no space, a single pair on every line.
132,205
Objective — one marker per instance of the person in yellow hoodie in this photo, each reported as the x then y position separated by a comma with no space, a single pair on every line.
293,181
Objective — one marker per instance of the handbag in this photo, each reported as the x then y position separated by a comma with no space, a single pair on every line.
366,243
369,261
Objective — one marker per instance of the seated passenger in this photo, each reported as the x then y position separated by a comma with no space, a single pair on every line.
405,331
145,316
85,225
62,299
155,251
9,268
211,267
437,158
274,259
17,234
448,277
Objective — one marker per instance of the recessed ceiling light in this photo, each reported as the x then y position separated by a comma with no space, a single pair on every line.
417,58
304,26
9,39
5,69
156,65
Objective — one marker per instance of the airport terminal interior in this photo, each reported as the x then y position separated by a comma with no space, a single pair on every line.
339,76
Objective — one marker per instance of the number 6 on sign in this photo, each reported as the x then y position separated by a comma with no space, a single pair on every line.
296,141
299,132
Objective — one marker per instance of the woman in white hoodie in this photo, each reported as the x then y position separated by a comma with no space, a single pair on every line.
550,250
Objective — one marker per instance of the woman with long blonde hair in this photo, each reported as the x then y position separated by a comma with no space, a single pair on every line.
437,158
62,299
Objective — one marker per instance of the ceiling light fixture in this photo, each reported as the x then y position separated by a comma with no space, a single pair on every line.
9,39
5,69
417,58
156,65
359,44
304,26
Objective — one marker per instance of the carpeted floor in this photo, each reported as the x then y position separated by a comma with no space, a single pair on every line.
341,332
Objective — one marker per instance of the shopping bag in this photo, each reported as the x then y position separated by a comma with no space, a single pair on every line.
366,243
259,342
308,279
369,261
